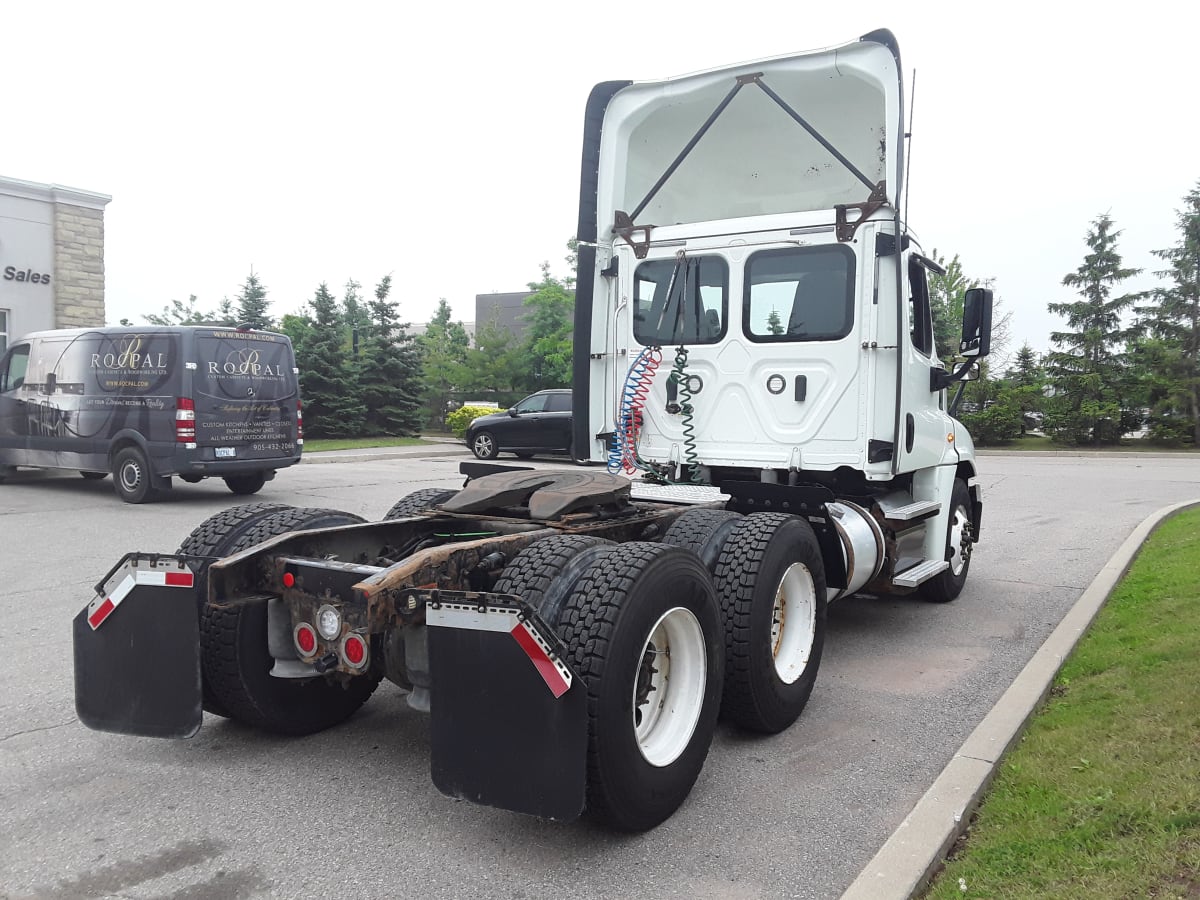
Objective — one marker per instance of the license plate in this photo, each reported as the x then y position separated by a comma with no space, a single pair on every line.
225,452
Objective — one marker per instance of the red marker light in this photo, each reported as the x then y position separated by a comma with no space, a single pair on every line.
354,650
289,580
306,639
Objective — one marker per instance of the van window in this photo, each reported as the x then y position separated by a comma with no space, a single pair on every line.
125,363
13,375
3,330
800,294
245,366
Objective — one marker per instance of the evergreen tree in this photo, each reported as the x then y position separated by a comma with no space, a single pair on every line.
252,304
356,316
1027,382
774,322
496,366
444,347
1171,352
1095,393
332,407
550,313
390,370
946,293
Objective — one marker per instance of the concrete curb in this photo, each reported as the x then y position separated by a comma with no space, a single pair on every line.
377,453
908,860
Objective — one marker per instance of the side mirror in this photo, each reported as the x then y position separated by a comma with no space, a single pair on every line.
512,411
977,323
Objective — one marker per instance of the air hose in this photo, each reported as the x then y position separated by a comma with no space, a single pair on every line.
686,412
622,456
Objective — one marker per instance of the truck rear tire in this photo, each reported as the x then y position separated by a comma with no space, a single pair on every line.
418,502
704,532
219,535
545,573
236,663
642,630
771,586
947,585
244,485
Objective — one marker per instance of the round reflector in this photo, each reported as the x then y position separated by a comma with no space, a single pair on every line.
305,638
354,651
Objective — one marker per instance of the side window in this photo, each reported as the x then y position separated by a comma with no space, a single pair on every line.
13,375
919,313
3,331
680,301
799,294
559,403
536,403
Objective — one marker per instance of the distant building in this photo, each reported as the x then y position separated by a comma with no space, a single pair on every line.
51,258
507,310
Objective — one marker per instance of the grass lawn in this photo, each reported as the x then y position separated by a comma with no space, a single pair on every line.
315,445
1041,442
1101,798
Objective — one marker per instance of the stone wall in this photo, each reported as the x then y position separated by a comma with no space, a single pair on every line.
78,266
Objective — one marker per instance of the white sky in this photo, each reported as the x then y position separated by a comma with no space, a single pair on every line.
441,142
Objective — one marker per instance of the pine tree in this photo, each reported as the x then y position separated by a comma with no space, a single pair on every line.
1095,393
1173,326
444,347
252,304
332,407
774,322
1027,382
179,313
390,370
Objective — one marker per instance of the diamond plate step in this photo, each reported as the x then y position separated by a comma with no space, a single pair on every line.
691,494
916,510
920,573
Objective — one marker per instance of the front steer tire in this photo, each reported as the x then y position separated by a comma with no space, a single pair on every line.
236,663
645,748
947,585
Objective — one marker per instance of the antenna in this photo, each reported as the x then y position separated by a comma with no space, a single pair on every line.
912,103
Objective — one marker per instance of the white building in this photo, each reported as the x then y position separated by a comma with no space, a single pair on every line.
51,258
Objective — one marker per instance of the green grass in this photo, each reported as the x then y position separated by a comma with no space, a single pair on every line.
1101,798
315,445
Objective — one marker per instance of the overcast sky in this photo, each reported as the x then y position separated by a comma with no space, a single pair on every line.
441,142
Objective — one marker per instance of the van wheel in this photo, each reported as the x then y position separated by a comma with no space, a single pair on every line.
94,476
5,471
131,476
236,663
771,584
246,484
642,630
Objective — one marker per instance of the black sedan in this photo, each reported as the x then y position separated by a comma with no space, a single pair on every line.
541,423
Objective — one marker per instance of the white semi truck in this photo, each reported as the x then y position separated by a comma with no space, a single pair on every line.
754,367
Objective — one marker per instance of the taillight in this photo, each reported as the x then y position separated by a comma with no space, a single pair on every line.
185,420
305,638
354,651
299,422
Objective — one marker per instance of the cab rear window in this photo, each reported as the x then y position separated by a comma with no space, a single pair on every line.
245,366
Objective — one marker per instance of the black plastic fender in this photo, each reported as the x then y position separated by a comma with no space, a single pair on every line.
137,650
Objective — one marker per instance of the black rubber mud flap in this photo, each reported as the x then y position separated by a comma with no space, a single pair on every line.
137,651
509,716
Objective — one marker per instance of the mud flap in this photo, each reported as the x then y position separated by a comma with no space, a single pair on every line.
509,716
137,651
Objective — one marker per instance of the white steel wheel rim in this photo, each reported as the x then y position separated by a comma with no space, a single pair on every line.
483,445
131,475
668,690
958,527
793,622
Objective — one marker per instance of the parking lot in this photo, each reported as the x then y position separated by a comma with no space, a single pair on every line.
352,811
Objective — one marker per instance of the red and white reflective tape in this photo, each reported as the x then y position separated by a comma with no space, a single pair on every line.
102,607
470,618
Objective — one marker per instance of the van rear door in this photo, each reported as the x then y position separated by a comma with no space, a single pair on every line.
245,394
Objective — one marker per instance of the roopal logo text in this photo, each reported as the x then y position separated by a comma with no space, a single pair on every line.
244,362
129,355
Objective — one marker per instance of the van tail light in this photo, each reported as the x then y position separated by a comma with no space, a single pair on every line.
299,422
185,421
